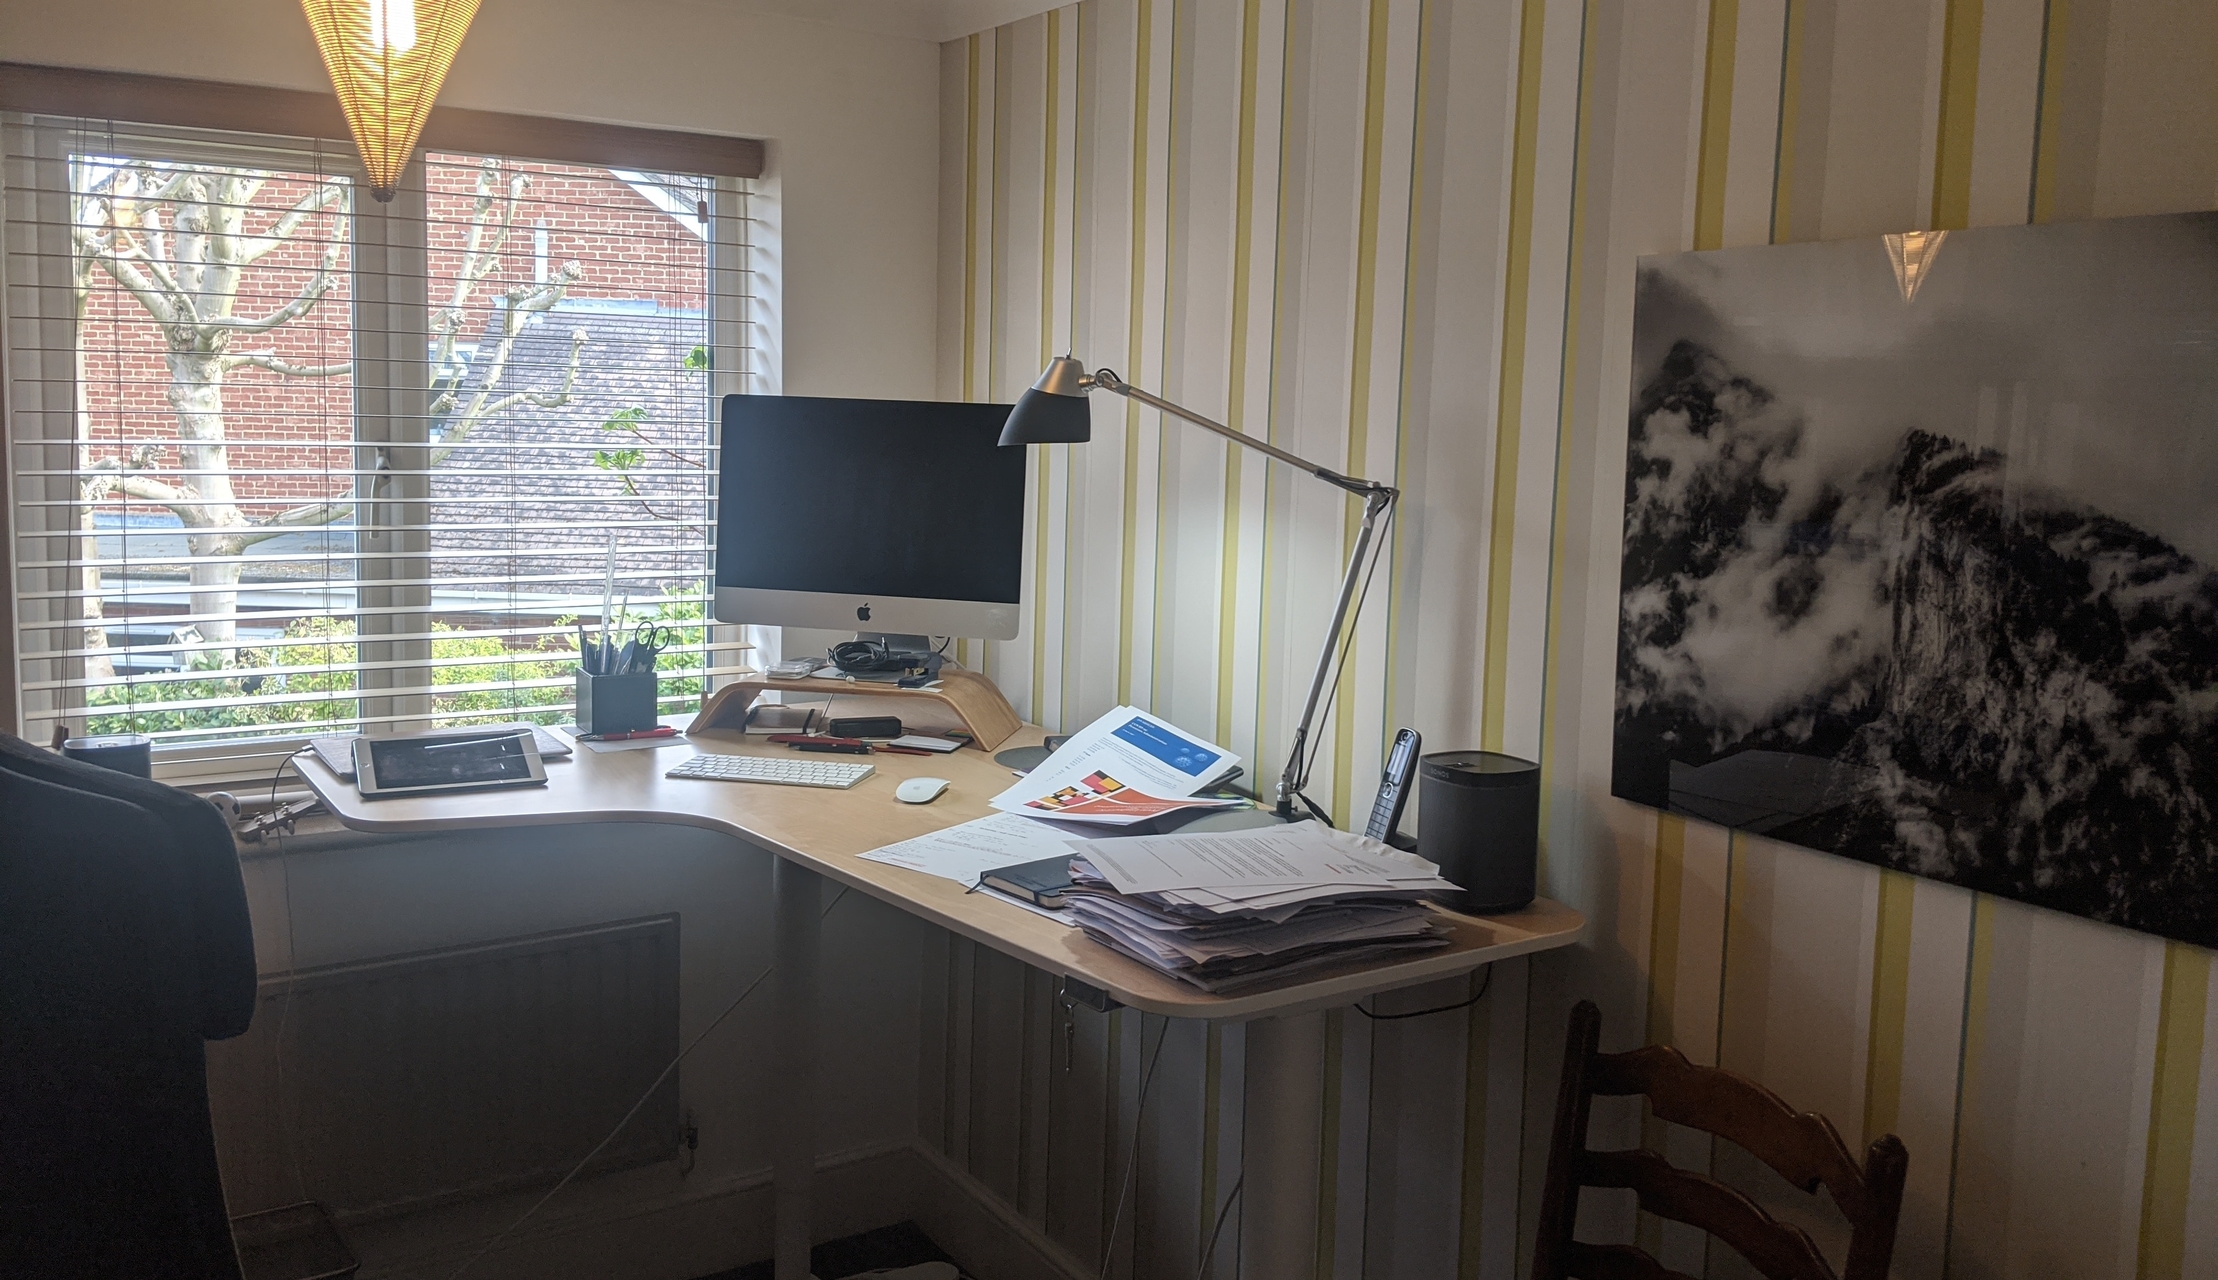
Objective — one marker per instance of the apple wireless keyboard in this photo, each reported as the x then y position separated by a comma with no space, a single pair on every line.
776,770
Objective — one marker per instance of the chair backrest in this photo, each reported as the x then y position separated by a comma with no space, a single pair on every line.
1803,1148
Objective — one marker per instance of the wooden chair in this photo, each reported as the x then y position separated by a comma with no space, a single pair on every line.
1804,1148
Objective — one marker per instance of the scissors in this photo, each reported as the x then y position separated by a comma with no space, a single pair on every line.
647,643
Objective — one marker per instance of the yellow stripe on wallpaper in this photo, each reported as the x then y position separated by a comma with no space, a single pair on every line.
1243,249
1502,519
1717,125
1137,373
1359,370
1890,997
1952,153
1050,158
970,224
1567,404
2172,1107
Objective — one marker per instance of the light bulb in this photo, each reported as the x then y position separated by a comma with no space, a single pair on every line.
393,25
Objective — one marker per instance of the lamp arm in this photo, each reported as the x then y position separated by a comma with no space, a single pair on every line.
1291,782
1107,380
1378,499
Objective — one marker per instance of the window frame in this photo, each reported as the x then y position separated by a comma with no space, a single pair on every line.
390,328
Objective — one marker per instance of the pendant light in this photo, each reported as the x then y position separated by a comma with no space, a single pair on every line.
1912,253
387,59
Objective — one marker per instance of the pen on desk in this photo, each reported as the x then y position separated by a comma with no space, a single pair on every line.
664,731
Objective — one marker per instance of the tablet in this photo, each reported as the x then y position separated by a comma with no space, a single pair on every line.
450,760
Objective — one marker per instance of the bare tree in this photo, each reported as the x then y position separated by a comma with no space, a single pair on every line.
175,238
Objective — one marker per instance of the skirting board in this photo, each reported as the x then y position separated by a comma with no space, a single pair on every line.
646,1224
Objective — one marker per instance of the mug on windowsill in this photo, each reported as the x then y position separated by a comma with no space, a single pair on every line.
617,704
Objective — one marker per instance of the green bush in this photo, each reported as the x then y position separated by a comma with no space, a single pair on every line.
316,656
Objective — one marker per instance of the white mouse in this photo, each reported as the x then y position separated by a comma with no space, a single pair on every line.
920,790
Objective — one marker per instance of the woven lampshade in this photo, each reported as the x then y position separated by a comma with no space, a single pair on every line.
387,59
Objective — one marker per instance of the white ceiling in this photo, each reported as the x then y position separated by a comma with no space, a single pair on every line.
933,20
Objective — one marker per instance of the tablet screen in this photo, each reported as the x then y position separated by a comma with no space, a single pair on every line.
432,762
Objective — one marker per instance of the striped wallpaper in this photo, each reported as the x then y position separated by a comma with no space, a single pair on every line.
1398,236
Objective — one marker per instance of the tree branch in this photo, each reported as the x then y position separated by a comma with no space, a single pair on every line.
148,489
123,267
271,361
478,257
481,409
307,516
299,306
314,202
546,399
158,185
112,476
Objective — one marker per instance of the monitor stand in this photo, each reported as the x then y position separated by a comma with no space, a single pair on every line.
969,694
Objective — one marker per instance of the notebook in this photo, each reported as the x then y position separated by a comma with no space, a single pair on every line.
1042,882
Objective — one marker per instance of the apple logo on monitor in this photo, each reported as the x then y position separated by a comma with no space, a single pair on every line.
862,614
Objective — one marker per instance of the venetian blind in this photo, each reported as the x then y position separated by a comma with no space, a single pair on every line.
289,461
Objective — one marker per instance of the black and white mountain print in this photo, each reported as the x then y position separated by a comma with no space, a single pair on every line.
1925,573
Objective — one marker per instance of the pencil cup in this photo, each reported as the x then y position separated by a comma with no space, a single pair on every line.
616,704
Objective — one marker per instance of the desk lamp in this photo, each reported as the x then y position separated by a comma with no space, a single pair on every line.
1054,411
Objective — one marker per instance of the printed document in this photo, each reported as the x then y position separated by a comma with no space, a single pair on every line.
1269,871
1124,768
1265,859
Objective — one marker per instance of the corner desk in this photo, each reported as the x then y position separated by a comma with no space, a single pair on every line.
817,834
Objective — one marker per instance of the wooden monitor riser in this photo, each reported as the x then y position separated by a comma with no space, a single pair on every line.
971,696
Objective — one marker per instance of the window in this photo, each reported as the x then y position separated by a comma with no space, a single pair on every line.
287,460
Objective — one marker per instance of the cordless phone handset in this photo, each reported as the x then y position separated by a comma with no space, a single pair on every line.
1401,764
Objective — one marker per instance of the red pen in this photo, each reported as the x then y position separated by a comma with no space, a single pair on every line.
662,731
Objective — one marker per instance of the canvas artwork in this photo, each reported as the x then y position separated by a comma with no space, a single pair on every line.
1921,557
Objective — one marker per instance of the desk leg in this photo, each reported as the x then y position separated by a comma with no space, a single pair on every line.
1280,1145
793,1166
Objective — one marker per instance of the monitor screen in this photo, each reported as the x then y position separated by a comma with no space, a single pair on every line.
881,515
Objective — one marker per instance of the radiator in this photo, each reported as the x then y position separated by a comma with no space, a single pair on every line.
401,1082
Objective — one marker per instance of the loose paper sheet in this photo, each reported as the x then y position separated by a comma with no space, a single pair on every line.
964,853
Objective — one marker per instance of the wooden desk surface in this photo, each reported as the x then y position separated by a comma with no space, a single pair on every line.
825,830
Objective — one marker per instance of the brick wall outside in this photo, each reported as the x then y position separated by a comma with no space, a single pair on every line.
628,249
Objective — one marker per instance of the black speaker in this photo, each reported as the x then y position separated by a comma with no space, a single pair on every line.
131,753
1478,817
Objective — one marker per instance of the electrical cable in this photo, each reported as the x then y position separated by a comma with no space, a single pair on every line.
691,1045
1347,646
1223,1211
292,966
1484,983
1132,1158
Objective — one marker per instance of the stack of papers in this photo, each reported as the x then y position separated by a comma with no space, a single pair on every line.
1223,911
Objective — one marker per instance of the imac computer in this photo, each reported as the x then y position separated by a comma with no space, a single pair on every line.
896,517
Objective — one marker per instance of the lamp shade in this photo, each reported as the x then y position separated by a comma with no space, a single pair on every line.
1054,411
387,59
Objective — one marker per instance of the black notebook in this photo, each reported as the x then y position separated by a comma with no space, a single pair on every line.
1042,882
